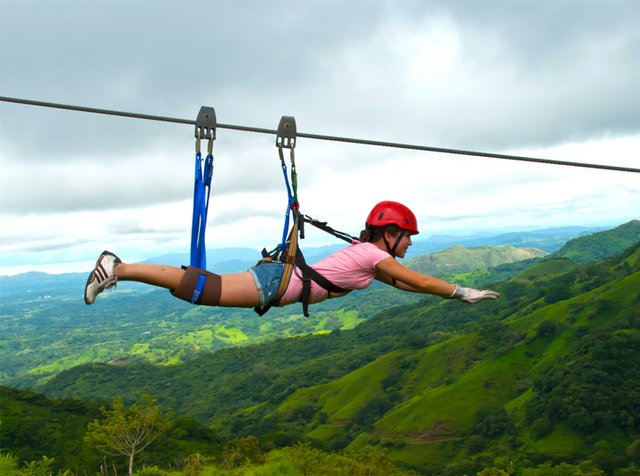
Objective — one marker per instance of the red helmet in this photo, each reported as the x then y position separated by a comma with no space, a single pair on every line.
393,213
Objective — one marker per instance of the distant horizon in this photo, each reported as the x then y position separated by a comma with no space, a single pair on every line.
81,266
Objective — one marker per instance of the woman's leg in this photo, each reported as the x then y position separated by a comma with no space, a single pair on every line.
238,290
155,274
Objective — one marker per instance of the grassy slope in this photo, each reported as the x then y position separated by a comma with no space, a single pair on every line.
461,259
342,397
601,244
442,393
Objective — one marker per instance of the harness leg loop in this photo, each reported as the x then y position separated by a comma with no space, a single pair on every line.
199,286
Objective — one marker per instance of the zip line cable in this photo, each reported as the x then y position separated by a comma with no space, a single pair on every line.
396,145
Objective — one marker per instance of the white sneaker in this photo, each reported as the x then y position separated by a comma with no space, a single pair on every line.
102,277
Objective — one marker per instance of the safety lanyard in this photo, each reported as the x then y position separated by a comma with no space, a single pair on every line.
201,194
292,196
286,139
205,129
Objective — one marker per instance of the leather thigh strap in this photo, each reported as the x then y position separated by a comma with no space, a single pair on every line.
211,291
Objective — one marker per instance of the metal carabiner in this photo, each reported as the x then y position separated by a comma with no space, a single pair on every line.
292,157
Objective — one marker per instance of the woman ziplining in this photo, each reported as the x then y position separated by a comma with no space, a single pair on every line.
283,277
238,289
387,235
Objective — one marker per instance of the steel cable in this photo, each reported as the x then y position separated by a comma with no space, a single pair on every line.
324,137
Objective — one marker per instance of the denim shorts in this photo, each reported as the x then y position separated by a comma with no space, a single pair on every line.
267,277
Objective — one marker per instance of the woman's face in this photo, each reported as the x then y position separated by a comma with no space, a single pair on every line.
403,244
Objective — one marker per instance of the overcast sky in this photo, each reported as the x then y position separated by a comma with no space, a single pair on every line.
550,79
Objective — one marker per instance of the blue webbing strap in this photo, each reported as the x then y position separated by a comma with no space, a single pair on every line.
196,297
205,130
290,205
201,193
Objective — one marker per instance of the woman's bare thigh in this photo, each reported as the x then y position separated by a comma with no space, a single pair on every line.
239,290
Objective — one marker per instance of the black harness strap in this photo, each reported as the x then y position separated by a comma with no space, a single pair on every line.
392,249
322,225
309,274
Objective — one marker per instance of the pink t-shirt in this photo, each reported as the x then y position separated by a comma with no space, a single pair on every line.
353,267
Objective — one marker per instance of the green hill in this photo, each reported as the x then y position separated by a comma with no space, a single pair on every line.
459,259
581,355
32,426
602,244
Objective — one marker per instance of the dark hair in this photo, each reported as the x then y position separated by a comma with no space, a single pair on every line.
374,233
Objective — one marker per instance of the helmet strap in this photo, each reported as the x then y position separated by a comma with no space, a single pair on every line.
392,249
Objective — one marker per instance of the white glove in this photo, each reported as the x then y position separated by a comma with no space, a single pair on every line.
472,296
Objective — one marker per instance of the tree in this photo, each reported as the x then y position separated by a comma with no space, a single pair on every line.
492,422
475,444
127,431
491,471
562,469
541,427
546,328
9,467
633,451
8,464
243,450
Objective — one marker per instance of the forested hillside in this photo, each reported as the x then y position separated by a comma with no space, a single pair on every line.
601,244
433,382
34,426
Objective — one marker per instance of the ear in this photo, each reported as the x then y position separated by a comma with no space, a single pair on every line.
390,235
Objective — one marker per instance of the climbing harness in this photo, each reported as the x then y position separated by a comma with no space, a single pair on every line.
288,251
205,130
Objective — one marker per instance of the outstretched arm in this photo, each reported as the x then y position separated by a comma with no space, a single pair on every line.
391,272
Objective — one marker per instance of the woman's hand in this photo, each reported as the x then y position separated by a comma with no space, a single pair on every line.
472,296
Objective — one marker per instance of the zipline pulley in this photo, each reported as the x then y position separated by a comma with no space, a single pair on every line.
287,133
206,125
